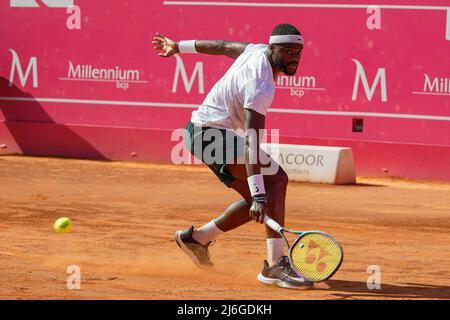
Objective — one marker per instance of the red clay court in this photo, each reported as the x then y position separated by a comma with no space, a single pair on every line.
125,214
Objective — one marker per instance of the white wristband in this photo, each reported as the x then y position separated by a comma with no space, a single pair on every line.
187,46
256,184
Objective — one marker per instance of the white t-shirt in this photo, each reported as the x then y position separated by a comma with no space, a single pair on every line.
247,84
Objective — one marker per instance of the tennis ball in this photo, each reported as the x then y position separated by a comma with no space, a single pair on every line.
63,225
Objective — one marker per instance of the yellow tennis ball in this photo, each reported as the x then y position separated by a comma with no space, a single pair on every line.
63,225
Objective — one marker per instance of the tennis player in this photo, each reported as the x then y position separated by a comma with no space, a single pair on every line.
239,101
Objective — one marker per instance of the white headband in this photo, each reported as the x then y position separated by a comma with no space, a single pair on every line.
286,39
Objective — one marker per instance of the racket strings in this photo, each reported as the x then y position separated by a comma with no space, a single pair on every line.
316,256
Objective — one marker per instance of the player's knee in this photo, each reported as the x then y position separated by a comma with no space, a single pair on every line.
280,179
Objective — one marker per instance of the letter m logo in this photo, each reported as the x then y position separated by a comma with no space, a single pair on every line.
181,70
17,67
38,3
361,76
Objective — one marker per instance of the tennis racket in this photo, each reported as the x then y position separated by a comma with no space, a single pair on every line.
314,255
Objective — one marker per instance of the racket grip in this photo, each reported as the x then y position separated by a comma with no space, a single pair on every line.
272,224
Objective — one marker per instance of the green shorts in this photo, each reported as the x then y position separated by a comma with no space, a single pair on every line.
216,148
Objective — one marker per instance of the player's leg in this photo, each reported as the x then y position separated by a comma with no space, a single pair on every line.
235,215
195,243
276,268
219,149
276,187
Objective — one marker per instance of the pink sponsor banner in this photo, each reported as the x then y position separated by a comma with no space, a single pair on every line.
91,64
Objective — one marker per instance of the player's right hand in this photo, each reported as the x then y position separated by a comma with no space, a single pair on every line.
259,208
165,44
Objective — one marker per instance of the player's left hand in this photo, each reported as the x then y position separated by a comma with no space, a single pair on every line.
259,208
169,46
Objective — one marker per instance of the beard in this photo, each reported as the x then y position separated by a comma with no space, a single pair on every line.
285,68
290,72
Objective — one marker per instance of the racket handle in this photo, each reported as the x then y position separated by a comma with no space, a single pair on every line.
272,224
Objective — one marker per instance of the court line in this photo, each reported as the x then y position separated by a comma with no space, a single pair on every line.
194,106
431,93
300,5
104,80
362,114
301,88
103,102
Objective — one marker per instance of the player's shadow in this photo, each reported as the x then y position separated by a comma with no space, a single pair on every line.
34,130
356,289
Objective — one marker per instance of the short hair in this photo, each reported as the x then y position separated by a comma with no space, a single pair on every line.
285,29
